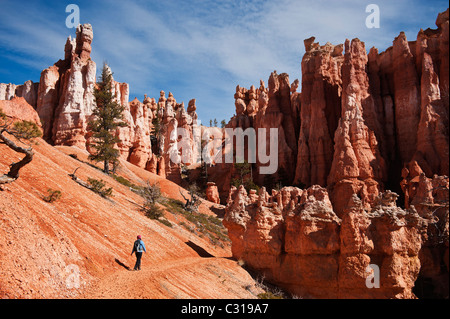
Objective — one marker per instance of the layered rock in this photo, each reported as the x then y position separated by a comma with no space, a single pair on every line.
28,91
76,96
358,166
360,117
275,111
320,111
430,198
212,193
175,144
296,239
64,100
386,111
140,150
19,109
275,106
411,80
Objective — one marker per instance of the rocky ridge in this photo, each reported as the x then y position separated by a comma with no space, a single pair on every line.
368,122
64,100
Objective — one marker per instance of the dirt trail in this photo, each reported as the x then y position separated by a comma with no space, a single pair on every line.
171,279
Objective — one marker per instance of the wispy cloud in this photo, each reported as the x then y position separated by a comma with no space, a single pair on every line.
200,48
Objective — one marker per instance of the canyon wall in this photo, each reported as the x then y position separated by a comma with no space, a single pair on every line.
366,124
360,117
295,239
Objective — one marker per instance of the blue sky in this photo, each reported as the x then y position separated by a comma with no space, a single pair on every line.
197,48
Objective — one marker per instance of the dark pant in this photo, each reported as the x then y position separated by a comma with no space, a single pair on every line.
137,266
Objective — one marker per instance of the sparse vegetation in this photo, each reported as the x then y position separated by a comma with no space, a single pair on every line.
206,225
99,187
244,171
193,202
153,211
152,195
53,195
270,291
124,181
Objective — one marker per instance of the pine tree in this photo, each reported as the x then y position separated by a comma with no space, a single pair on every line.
107,117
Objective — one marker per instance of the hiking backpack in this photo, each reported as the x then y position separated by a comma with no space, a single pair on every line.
138,246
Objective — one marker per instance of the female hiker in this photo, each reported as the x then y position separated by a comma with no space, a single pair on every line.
138,248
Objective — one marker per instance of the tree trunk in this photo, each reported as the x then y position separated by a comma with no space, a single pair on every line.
106,167
13,173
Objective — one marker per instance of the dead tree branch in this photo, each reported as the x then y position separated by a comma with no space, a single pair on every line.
13,173
79,181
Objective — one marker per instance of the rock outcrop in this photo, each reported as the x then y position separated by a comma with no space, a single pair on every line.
76,100
319,112
64,99
266,108
28,91
296,239
369,122
18,109
212,193
358,166
359,119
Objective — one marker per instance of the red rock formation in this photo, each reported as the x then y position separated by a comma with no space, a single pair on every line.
277,106
295,238
212,193
430,198
320,110
18,109
141,148
412,79
406,97
386,111
64,100
357,166
362,116
278,113
28,91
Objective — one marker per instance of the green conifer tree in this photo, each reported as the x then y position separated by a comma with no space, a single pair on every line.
107,117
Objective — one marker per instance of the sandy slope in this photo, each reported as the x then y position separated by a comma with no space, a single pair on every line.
80,245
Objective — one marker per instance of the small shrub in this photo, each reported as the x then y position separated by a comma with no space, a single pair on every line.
165,222
269,295
151,194
270,291
98,186
210,226
53,195
152,211
123,181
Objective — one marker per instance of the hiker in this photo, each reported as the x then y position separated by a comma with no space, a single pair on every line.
138,248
